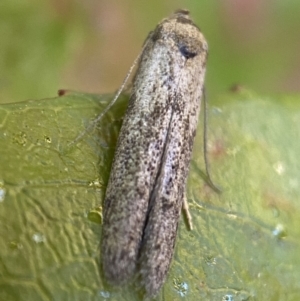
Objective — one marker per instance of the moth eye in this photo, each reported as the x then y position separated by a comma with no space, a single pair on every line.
186,52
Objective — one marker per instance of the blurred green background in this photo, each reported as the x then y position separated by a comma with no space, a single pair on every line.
246,241
90,45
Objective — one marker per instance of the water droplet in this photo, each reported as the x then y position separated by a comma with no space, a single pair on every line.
227,298
181,287
232,216
95,183
104,294
38,238
47,139
279,231
2,194
279,168
95,215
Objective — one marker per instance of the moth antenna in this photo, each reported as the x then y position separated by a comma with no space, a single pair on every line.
119,91
207,168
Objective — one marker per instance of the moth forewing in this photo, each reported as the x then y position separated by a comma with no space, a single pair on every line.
147,182
167,198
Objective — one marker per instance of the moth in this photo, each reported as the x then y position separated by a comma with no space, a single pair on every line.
146,188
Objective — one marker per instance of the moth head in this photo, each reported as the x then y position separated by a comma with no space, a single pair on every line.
184,33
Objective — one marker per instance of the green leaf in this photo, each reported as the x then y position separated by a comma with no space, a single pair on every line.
245,242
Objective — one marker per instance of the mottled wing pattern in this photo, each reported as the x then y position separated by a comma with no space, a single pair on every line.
147,182
136,164
167,197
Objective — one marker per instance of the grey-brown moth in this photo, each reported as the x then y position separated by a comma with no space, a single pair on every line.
147,183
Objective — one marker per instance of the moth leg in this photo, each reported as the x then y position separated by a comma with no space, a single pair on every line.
185,208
